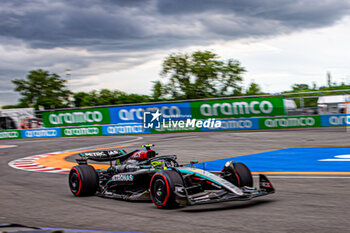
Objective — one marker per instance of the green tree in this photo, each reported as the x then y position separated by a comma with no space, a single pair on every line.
201,74
300,87
135,98
157,90
329,79
42,88
106,97
254,89
14,106
81,99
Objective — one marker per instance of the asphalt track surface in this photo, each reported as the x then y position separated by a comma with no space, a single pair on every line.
301,204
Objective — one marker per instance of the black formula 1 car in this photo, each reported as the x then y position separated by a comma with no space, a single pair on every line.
141,175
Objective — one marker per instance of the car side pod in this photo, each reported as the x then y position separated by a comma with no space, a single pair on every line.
265,185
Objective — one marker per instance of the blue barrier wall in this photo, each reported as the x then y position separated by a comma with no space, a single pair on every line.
335,120
137,128
124,129
41,133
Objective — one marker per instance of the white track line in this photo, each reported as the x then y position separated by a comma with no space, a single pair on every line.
186,137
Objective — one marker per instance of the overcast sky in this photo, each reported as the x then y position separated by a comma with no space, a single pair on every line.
120,44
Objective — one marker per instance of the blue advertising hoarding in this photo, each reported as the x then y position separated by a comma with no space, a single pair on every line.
235,124
134,114
41,133
335,120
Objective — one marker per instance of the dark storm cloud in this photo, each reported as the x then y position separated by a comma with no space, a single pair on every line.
286,11
137,25
126,33
251,18
55,24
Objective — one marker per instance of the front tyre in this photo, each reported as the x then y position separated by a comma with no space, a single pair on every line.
238,174
83,180
162,188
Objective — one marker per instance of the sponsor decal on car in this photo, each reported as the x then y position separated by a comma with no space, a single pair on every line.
137,155
265,184
123,177
95,154
114,152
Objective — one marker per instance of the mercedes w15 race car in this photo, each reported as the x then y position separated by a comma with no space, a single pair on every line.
143,175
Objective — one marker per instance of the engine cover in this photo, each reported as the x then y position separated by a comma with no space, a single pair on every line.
140,155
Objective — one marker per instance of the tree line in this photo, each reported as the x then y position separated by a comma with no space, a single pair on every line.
201,74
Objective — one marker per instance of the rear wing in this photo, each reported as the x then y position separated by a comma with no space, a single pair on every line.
101,156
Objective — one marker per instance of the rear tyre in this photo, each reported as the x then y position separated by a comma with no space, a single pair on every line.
238,174
83,180
162,188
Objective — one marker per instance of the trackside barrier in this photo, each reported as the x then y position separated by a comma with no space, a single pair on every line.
41,133
124,129
235,124
76,117
335,120
82,131
226,124
289,122
205,109
231,108
10,134
134,114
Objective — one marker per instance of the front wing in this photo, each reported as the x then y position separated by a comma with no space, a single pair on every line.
222,195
